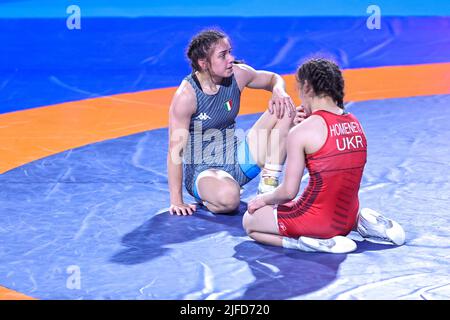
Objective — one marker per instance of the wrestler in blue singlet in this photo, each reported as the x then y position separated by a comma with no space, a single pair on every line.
216,114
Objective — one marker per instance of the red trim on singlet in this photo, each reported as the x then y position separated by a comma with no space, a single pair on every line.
329,204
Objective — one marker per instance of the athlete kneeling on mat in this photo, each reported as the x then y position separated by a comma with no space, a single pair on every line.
332,145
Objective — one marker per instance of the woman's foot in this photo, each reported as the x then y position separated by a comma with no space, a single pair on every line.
373,225
337,244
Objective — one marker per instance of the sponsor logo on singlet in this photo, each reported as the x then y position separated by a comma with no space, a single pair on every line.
282,226
203,116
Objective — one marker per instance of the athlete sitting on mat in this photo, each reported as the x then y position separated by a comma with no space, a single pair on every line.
332,145
202,129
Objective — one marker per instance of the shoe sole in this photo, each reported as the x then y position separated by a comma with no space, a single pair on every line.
393,231
337,244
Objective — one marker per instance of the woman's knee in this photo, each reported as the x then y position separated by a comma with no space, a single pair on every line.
224,197
228,197
247,223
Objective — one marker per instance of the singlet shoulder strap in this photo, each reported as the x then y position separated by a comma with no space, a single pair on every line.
197,82
194,82
323,114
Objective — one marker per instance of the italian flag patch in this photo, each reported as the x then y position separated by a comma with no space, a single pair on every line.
228,105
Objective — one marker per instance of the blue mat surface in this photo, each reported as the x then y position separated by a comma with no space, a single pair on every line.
101,208
42,62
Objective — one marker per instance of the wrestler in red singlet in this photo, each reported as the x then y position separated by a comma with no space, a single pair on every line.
329,205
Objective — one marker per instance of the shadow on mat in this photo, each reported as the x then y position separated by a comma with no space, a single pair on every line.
279,273
148,241
282,273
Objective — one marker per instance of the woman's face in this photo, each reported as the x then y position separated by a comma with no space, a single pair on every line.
221,60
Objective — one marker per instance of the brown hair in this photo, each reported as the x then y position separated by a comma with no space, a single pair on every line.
325,78
201,44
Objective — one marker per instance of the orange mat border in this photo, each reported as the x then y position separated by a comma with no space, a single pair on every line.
36,133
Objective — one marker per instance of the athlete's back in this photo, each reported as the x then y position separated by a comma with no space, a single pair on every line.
330,201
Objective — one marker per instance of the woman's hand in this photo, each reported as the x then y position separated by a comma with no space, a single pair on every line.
255,204
280,103
300,115
182,209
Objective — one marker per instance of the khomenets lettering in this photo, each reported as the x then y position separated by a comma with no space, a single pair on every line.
345,128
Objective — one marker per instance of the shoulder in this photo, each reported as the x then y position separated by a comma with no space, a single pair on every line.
242,68
355,119
352,117
309,125
243,74
308,130
184,100
185,91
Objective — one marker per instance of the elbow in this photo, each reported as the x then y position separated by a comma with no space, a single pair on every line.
289,193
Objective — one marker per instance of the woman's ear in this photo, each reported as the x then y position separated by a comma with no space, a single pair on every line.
203,64
307,89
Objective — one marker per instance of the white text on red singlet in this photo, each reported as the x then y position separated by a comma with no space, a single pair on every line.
347,141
